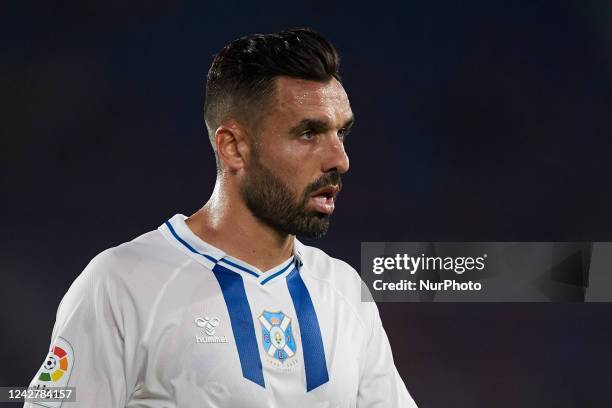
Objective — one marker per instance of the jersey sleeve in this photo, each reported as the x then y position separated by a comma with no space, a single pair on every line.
380,384
86,350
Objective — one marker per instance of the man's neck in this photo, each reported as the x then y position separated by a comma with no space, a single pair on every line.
231,227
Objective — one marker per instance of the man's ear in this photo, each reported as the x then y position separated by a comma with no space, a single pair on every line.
232,146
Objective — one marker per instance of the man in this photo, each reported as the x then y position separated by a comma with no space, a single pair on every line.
227,308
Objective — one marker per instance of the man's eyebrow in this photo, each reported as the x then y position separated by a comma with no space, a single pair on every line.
318,125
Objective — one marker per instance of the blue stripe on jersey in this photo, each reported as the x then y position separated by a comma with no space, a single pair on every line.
274,275
241,318
242,268
312,343
189,247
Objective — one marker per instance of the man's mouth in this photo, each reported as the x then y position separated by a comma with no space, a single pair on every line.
322,200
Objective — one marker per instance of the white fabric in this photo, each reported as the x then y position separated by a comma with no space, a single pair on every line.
147,322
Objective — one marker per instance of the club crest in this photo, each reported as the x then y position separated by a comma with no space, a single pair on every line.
277,337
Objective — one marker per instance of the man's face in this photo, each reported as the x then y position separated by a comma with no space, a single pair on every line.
293,175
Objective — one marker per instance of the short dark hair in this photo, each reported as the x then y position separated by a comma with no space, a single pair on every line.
242,73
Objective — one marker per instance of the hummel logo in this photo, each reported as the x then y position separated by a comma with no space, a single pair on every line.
209,324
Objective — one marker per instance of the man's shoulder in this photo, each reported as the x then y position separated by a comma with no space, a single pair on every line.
339,277
325,267
148,247
140,258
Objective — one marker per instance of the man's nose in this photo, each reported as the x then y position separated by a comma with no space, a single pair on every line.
336,157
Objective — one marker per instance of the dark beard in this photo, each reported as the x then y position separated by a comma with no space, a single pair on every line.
274,204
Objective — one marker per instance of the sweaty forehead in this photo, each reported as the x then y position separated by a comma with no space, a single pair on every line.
302,97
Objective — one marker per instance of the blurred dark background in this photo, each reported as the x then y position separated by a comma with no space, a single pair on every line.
487,121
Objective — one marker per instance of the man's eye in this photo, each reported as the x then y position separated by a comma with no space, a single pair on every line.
307,135
343,133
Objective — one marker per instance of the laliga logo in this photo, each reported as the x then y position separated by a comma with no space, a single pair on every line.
209,324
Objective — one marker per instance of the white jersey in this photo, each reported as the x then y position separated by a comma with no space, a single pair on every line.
168,320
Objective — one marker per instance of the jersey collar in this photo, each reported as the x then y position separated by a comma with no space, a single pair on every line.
176,231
